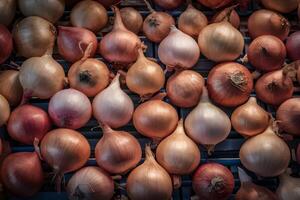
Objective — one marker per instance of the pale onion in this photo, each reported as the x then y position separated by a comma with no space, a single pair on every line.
289,187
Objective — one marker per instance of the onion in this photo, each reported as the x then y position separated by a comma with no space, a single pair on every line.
28,123
250,119
168,4
178,50
41,77
251,191
117,151
184,88
120,45
293,45
65,150
285,6
34,36
10,86
49,10
72,42
113,106
6,43
214,4
288,188
149,180
266,53
90,15
70,108
229,13
287,116
192,21
221,42
207,124
145,77
7,11
132,19
265,154
157,25
274,87
229,84
267,22
108,3
213,181
5,111
22,174
155,119
90,183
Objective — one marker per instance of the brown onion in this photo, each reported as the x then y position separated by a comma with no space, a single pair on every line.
214,4
91,183
250,119
90,15
192,21
5,111
265,154
7,11
34,36
184,88
132,19
267,22
284,6
6,43
10,86
293,46
168,4
229,84
229,13
149,180
288,188
117,152
108,3
49,10
120,45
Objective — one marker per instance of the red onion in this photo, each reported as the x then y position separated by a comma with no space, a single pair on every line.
168,4
7,11
214,4
10,86
5,111
6,43
285,6
293,45
132,19
213,181
230,13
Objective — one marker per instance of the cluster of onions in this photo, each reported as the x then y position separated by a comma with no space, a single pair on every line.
287,116
250,119
168,4
113,106
7,11
257,154
72,42
178,50
229,84
145,77
117,152
5,111
213,181
251,191
65,150
207,124
229,13
34,36
293,45
10,86
214,4
120,45
184,88
288,188
89,14
280,6
192,21
49,10
90,183
108,3
28,123
149,180
6,43
22,174
155,118
70,108
157,25
132,19
267,22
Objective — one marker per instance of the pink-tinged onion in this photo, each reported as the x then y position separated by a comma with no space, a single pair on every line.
6,43
132,19
5,111
7,11
10,86
293,46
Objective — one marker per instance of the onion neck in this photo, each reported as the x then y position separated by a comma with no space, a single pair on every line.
141,54
179,129
115,82
216,184
149,153
204,96
238,80
228,12
118,24
149,7
106,129
159,96
252,100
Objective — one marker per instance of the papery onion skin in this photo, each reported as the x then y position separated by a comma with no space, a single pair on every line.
293,46
70,108
132,19
213,181
184,88
266,53
6,43
280,6
288,188
22,174
267,22
117,151
5,111
234,18
10,86
28,123
168,4
34,36
91,183
7,11
229,84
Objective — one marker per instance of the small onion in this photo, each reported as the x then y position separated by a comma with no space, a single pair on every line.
168,4
149,180
132,19
5,111
117,152
230,13
214,4
284,6
289,187
90,183
10,86
7,11
184,88
293,46
6,43
229,84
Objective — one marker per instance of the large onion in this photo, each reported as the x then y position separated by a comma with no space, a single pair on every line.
5,111
214,3
7,11
10,86
229,13
6,43
132,19
293,46
289,187
284,6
